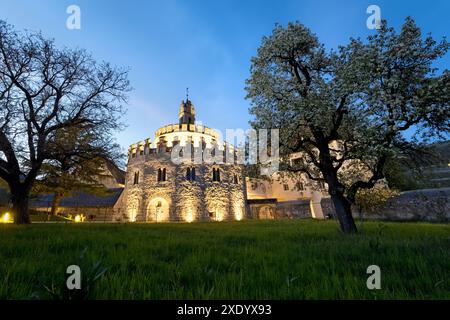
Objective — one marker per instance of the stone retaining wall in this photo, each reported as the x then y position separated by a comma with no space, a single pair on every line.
415,205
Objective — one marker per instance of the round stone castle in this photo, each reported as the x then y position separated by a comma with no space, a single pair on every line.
159,189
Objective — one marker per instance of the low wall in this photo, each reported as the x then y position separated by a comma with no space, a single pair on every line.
90,213
278,210
420,205
293,209
415,205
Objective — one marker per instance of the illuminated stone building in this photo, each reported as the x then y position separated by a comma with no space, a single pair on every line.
157,189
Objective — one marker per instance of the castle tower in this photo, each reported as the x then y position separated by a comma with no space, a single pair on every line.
187,112
160,189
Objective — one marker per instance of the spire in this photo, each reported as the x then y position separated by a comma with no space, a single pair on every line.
187,111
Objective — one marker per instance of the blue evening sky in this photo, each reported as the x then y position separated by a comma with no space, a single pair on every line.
203,45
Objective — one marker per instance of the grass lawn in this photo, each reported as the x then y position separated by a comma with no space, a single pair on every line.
284,259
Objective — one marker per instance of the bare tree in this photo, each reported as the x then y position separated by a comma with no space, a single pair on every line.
45,90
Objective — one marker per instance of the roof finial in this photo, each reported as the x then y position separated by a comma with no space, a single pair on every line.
187,94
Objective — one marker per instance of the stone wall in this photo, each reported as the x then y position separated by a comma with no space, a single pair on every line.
179,199
293,209
327,207
418,205
90,213
279,210
415,205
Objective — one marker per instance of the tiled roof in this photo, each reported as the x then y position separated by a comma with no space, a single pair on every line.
79,199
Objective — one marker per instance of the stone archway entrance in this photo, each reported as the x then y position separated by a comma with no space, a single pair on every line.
217,214
158,210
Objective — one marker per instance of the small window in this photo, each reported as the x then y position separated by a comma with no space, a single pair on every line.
136,178
188,174
300,186
216,174
141,152
286,187
161,175
235,179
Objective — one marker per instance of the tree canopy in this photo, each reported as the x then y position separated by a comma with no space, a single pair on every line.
346,111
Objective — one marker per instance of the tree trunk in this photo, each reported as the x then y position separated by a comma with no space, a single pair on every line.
343,212
55,203
19,199
342,205
336,189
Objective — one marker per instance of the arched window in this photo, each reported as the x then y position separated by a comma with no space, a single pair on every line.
216,174
164,174
193,174
235,179
136,178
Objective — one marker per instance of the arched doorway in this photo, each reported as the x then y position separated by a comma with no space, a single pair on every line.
216,214
158,210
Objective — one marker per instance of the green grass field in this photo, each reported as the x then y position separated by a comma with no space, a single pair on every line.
284,259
